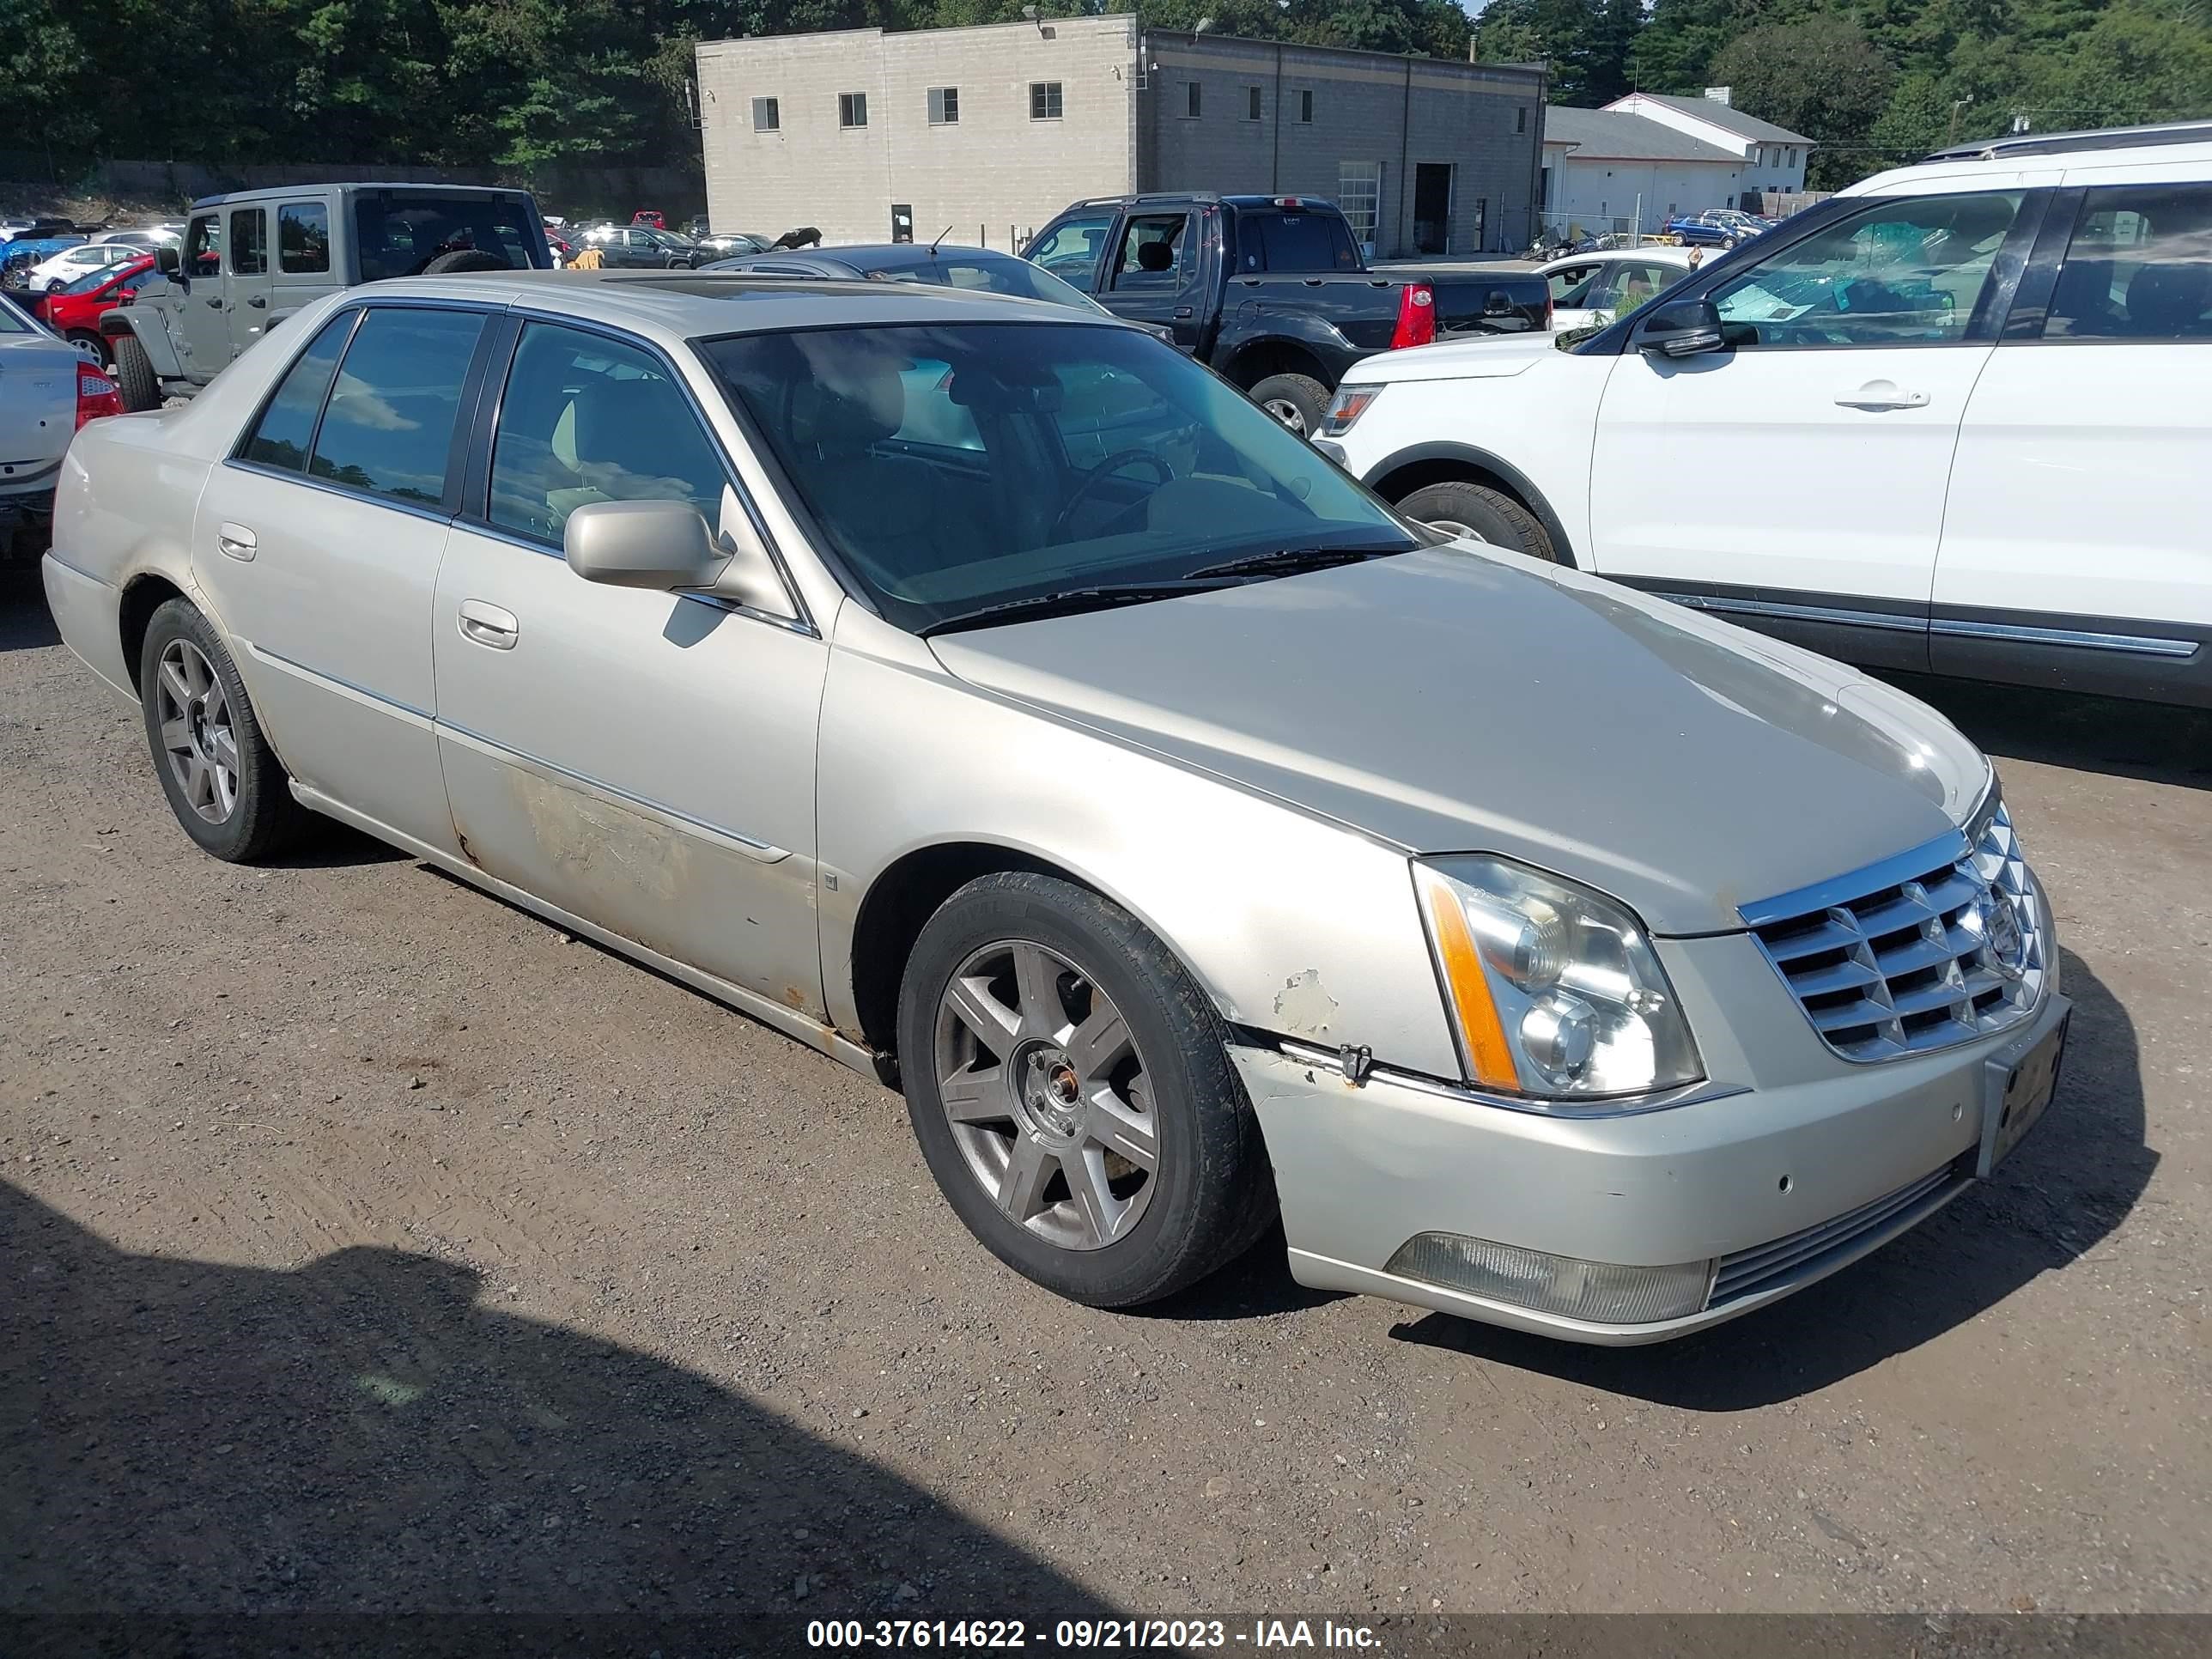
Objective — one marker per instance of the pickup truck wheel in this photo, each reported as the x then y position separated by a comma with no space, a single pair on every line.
1298,401
134,374
1461,508
1070,1088
223,782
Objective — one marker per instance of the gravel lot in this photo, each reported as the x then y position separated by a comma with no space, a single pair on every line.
368,1245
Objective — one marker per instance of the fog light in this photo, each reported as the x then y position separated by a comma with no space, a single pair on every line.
1599,1292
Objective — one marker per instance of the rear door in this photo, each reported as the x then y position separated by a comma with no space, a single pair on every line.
1799,478
251,278
2074,547
303,256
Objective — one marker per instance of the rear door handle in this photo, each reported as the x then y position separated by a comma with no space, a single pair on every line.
1882,394
486,624
258,301
216,302
235,541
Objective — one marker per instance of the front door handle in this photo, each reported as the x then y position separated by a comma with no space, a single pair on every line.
216,302
258,301
486,624
1882,394
1183,311
235,541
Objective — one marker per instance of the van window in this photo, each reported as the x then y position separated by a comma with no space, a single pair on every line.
389,424
2139,267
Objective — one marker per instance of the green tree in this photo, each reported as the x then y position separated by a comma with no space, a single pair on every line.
1821,76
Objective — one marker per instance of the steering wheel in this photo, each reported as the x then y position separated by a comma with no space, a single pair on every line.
1098,475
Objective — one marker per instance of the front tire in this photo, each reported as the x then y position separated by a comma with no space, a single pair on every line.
1461,507
1071,1089
223,782
134,374
1296,401
99,344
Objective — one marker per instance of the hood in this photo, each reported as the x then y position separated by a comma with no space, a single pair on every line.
1458,701
1489,357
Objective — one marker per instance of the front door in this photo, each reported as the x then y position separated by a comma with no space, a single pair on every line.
1155,274
1071,250
638,759
202,331
246,258
317,543
1799,477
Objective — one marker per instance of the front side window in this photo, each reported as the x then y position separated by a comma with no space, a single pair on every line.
203,255
1571,287
1069,249
249,242
1906,272
585,419
852,109
767,117
1044,101
944,107
1153,252
1099,458
2139,267
389,423
287,427
303,239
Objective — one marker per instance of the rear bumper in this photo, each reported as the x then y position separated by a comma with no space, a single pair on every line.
87,612
1767,1190
26,521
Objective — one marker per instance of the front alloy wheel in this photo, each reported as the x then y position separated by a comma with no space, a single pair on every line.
1047,1095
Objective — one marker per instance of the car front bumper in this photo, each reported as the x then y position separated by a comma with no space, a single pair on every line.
1772,1189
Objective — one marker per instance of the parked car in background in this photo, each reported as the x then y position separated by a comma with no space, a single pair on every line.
1972,390
144,236
252,260
71,263
1716,227
641,247
1576,1082
1272,290
73,311
49,390
650,216
698,229
1590,289
33,228
19,258
733,245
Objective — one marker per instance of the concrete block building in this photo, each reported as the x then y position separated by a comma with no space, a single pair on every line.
991,131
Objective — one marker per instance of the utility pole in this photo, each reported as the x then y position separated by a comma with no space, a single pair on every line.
1957,104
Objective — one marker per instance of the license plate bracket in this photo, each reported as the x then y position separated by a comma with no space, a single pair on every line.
2017,1089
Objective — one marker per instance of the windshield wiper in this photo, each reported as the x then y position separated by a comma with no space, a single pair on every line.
1290,561
1068,603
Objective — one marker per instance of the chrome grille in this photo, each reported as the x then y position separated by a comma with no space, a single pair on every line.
1747,1272
1918,952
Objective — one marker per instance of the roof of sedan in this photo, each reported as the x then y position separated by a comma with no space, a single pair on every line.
707,302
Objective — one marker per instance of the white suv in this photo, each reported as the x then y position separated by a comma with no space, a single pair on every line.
1951,419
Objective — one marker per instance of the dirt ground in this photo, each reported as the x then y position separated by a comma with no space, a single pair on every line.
366,1244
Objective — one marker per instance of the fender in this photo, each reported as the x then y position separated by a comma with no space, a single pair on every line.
160,350
1252,324
1485,461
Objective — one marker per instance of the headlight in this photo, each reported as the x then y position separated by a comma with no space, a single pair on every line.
1555,991
1348,406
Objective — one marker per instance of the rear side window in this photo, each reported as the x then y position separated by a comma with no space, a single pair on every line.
400,234
1295,241
303,239
2139,267
249,242
589,419
287,426
389,425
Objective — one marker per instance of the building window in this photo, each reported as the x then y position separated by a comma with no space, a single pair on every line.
944,106
852,109
765,118
1044,101
1305,105
1360,193
1519,120
1251,103
1190,93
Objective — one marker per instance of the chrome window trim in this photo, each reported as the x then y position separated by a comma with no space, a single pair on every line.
434,516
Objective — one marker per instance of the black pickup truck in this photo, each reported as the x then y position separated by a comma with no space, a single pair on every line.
1272,290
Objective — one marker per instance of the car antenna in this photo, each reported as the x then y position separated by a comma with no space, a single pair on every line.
935,240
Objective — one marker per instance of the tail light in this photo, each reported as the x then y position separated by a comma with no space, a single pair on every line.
1416,317
95,396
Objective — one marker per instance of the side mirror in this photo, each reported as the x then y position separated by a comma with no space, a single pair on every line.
167,260
667,545
1686,328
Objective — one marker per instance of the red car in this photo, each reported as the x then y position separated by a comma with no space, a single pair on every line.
649,216
73,311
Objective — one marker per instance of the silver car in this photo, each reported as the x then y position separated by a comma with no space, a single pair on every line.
989,696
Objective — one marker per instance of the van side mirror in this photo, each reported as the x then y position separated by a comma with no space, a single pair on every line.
167,260
1686,328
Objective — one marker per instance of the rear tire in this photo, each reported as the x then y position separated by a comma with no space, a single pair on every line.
1489,516
1097,1034
85,336
225,784
1297,401
134,374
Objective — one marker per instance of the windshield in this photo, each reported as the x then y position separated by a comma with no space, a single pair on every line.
1017,277
959,467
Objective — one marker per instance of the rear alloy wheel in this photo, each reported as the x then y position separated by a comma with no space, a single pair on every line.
1296,401
1462,508
99,346
1072,1090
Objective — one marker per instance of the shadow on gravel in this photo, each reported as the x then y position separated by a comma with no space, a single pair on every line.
2157,743
2078,1173
1256,1284
335,846
368,1434
26,624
